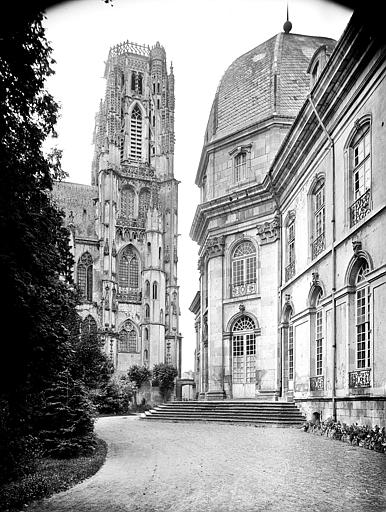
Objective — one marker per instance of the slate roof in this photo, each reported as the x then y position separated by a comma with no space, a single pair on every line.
271,78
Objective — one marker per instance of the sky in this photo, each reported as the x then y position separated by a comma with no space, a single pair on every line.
202,38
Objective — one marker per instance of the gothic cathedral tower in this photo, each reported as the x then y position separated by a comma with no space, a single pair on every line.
137,205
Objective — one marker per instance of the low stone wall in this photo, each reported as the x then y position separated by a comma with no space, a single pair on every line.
152,395
364,411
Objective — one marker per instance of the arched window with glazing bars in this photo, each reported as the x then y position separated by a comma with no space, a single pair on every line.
244,269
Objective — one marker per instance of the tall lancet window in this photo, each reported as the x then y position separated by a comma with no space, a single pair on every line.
84,276
136,133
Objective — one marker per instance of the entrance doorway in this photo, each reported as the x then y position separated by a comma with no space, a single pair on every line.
243,358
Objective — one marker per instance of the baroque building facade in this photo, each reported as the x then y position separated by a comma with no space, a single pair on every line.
292,262
123,226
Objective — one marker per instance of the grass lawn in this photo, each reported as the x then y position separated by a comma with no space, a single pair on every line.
51,476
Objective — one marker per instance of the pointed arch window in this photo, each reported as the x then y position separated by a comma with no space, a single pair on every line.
244,269
147,312
85,276
127,202
136,133
360,173
128,340
129,268
147,289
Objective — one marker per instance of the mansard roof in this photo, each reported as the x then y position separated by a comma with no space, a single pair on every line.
271,79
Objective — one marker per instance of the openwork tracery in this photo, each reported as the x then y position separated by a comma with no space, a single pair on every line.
84,275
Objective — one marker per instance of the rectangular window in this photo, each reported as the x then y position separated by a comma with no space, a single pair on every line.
362,168
240,167
319,344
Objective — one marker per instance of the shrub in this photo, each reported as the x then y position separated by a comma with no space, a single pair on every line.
66,420
372,438
138,374
50,476
114,398
163,376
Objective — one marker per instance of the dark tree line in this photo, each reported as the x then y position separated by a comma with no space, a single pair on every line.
43,392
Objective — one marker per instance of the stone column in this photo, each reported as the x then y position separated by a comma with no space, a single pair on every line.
215,256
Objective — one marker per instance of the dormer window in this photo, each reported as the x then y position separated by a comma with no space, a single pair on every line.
318,62
241,163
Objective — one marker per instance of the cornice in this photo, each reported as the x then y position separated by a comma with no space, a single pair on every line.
236,136
235,201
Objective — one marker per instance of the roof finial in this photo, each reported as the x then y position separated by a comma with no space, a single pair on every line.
287,25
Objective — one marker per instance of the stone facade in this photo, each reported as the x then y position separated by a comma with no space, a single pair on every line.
293,301
124,225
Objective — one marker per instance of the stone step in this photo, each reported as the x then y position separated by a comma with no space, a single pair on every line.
256,412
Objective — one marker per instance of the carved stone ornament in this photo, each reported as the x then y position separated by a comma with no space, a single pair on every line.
242,308
215,247
106,250
114,250
356,246
315,278
287,298
269,231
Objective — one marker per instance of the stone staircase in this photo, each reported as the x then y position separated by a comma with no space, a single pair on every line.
275,414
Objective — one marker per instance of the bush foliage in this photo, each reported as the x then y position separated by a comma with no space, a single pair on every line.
373,438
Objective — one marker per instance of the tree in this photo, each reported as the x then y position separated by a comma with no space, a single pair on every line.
66,419
139,374
163,376
35,257
89,363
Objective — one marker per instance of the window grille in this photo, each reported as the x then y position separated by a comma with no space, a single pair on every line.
85,276
136,133
240,167
244,269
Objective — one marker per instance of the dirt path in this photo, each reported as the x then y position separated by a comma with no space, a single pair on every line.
162,466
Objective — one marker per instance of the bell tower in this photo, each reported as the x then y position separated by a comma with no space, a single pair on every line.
137,211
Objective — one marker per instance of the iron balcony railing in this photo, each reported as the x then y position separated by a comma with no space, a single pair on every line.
317,383
360,208
360,379
290,270
318,245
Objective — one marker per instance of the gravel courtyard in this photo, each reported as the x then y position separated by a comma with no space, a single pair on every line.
208,467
